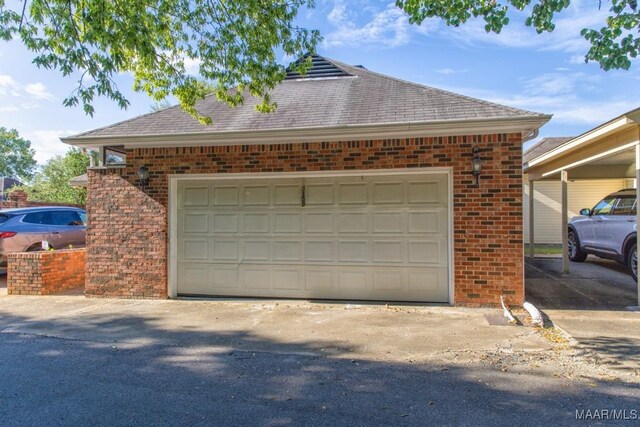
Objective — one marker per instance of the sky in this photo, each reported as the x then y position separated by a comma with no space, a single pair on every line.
542,73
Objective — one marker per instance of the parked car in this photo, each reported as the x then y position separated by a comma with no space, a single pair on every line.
608,231
24,229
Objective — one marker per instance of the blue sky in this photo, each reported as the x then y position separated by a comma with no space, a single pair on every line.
544,73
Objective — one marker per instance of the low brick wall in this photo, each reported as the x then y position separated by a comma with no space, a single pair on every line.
45,272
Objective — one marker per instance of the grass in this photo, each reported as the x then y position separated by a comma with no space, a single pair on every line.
541,249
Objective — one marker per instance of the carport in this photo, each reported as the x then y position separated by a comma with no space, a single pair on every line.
611,150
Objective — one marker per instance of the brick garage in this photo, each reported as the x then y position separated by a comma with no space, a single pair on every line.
129,228
45,272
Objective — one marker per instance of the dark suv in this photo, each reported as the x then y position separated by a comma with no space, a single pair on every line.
608,231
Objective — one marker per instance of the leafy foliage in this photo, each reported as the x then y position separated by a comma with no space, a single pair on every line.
16,155
613,45
51,183
234,42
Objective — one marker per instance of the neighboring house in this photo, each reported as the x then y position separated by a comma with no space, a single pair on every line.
581,194
7,184
359,187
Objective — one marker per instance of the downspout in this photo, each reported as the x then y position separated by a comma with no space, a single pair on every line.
533,134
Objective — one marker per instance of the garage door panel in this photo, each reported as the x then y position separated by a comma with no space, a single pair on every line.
318,281
388,251
352,279
287,251
374,237
254,278
194,278
388,192
196,222
256,250
225,196
286,278
195,249
433,221
256,195
427,252
354,222
225,223
196,196
389,222
255,223
319,251
389,280
319,194
287,222
353,194
225,250
429,192
319,222
353,251
288,194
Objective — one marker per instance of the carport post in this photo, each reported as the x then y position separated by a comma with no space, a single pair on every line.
531,222
565,224
638,210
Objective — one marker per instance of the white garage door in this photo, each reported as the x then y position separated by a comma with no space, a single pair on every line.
354,237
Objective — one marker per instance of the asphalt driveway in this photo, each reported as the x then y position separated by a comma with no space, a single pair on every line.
591,304
69,360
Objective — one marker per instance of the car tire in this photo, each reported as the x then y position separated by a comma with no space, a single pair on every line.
35,248
632,261
576,254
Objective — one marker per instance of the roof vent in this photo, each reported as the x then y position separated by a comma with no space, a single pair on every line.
320,68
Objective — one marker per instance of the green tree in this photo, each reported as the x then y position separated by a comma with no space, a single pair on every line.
51,183
16,155
613,45
234,43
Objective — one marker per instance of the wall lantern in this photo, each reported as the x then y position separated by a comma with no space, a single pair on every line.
476,164
143,176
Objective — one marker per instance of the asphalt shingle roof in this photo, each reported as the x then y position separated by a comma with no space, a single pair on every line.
543,146
362,97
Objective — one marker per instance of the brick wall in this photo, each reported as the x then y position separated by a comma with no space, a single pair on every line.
127,231
45,272
19,199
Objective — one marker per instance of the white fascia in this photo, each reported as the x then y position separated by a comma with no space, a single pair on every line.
524,125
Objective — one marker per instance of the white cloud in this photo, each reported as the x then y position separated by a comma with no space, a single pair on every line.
22,96
38,91
47,143
388,27
192,66
449,71
564,38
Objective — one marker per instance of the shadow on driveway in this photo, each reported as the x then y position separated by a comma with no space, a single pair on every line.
596,284
191,377
590,303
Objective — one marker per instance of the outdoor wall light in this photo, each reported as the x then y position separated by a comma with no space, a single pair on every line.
143,176
476,164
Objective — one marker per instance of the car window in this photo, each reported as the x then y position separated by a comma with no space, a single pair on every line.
604,207
38,218
625,206
66,218
83,217
4,218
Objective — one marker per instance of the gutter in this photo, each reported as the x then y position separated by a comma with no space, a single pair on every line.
526,125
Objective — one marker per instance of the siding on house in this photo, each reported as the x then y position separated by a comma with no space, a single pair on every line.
547,208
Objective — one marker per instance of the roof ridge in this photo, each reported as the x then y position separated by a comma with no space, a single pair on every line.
435,89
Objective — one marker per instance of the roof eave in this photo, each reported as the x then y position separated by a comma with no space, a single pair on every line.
618,124
521,124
